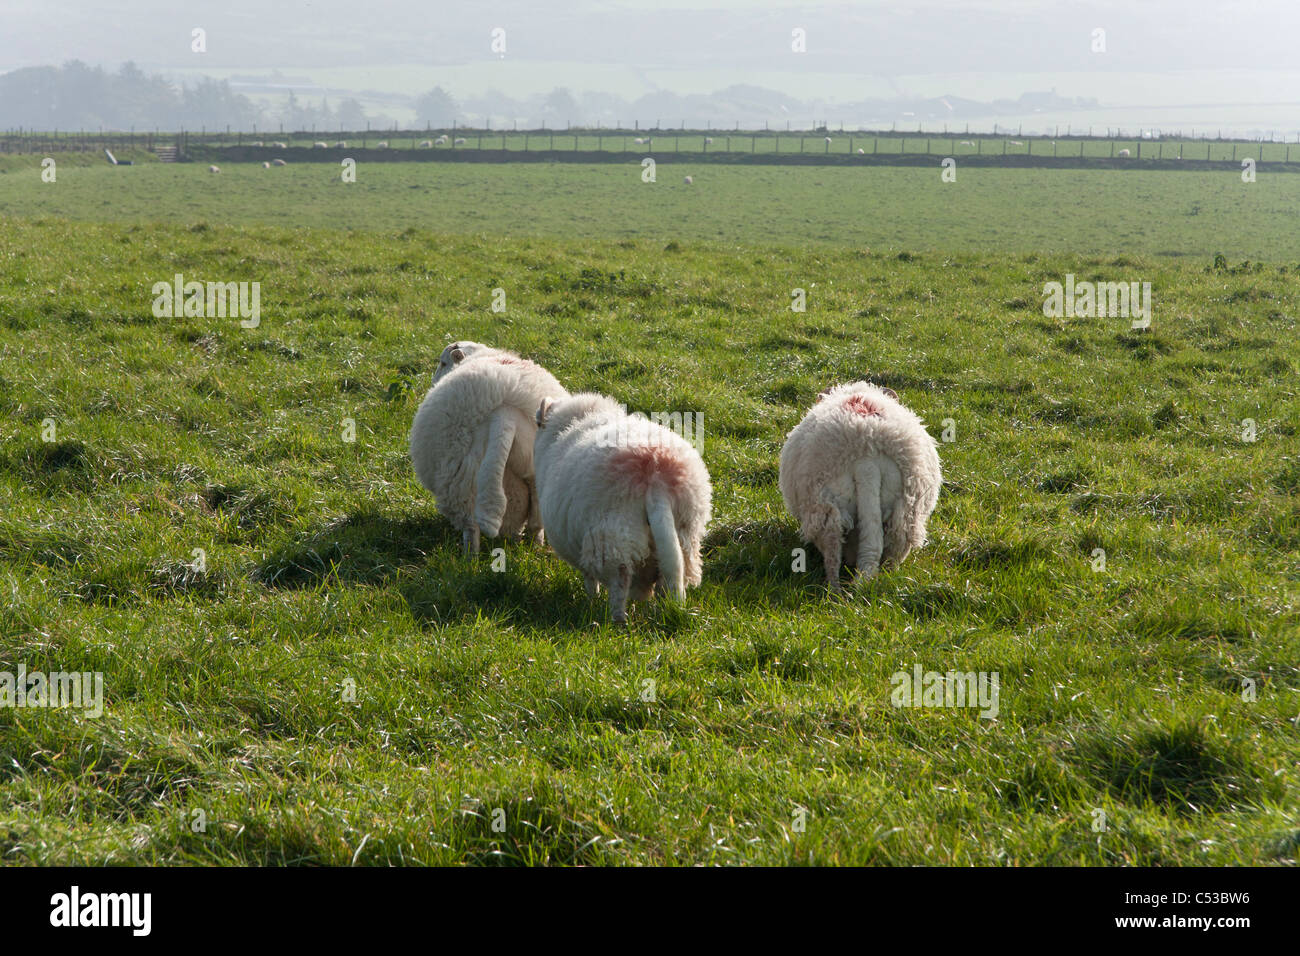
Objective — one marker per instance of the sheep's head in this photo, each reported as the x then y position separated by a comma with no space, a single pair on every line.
453,355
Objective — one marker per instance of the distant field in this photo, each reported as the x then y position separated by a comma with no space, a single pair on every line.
1082,211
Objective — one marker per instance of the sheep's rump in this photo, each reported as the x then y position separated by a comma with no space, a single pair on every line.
454,424
596,477
849,425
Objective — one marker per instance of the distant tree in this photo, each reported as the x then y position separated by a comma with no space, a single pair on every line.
435,108
560,106
351,115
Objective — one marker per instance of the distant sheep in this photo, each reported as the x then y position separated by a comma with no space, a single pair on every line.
1015,142
280,145
278,162
471,441
214,169
426,144
341,144
639,140
967,142
625,500
266,165
257,142
382,144
828,140
1124,154
708,141
687,180
441,140
319,145
862,475
861,151
459,141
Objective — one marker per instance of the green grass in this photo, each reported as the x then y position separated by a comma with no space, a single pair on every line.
1097,212
479,691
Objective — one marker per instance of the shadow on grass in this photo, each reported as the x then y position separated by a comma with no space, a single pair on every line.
364,548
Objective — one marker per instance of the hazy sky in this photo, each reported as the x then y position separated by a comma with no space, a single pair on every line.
1157,51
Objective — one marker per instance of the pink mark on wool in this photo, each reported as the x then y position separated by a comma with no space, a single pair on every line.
860,405
643,464
507,360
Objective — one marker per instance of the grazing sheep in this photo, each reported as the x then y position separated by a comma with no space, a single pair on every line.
623,499
1015,142
280,145
472,439
687,180
278,162
639,140
861,151
459,141
861,474
828,139
341,144
257,142
1124,154
426,144
214,169
319,145
382,144
967,142
266,165
708,141
441,140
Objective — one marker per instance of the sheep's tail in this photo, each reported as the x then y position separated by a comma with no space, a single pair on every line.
663,529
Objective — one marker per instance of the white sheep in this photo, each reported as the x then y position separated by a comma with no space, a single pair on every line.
828,140
459,141
319,145
266,165
257,142
278,162
1015,142
280,145
687,180
708,141
639,140
471,441
861,151
625,500
426,144
967,142
441,140
1124,154
861,474
341,144
382,144
214,169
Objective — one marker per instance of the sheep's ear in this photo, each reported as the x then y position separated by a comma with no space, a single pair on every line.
544,411
457,356
823,393
890,392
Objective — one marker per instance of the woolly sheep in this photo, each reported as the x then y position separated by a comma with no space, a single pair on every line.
1124,154
861,151
708,141
278,162
426,144
688,180
471,441
967,142
214,169
441,140
257,142
382,144
341,144
280,145
861,474
266,165
625,500
319,145
459,141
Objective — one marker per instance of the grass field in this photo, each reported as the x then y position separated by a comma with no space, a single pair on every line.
228,733
1102,212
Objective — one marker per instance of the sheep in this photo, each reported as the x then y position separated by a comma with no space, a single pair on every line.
688,180
861,474
214,169
426,144
471,442
1015,142
1124,154
280,145
625,500
861,151
266,165
441,140
278,162
257,142
708,141
319,145
828,140
639,140
382,144
459,141
341,144
967,142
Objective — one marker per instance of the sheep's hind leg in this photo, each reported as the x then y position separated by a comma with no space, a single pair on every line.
830,546
618,595
871,538
470,539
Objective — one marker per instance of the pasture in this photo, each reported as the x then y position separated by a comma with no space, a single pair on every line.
1099,212
336,684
